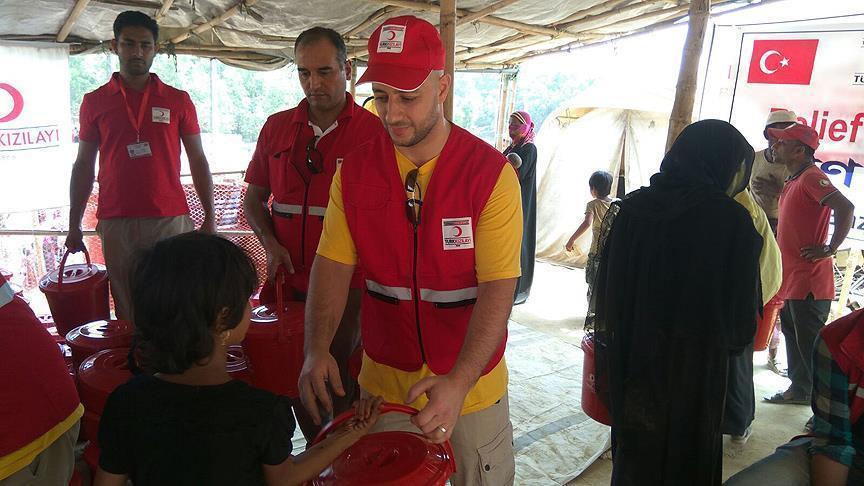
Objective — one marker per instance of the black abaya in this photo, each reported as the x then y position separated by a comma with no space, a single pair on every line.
528,181
676,294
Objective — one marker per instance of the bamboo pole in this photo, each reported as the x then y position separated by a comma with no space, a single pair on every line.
213,22
353,85
76,12
502,112
846,285
163,11
373,19
475,16
575,25
685,91
448,37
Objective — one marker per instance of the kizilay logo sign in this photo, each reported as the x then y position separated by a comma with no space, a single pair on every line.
21,138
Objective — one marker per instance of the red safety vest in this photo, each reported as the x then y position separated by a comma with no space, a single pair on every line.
420,280
298,212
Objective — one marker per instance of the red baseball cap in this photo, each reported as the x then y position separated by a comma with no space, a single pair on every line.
799,132
402,53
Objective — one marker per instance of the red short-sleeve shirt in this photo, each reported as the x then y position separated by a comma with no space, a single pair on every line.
803,221
147,186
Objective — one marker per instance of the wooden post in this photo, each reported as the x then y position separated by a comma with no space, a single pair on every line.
448,37
502,112
352,87
685,91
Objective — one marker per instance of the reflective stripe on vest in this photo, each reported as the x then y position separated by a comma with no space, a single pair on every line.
400,293
317,211
287,208
448,296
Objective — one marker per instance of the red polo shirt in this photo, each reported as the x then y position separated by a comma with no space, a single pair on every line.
147,186
803,221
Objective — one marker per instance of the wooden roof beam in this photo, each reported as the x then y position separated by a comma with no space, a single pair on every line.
488,19
480,14
377,16
163,11
213,22
586,22
76,12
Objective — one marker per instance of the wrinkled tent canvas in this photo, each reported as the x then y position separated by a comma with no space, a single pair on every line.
260,34
604,128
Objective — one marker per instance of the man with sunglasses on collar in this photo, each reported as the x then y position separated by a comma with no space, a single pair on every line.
296,156
431,215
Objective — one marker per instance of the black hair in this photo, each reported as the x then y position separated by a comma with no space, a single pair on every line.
317,33
133,18
180,288
601,182
809,152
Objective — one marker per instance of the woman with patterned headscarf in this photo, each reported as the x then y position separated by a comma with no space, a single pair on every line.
676,295
521,131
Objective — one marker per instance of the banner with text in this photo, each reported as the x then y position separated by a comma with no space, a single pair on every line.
35,126
815,71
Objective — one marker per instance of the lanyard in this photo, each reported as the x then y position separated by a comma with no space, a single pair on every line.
136,123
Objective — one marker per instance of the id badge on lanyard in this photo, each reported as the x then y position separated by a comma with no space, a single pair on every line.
138,149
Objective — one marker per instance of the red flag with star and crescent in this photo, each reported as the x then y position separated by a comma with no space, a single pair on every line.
787,61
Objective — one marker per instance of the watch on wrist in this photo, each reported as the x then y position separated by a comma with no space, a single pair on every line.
828,250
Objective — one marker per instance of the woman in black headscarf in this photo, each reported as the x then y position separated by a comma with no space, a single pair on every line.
677,293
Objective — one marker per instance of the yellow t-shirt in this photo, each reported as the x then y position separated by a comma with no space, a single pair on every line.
770,264
498,238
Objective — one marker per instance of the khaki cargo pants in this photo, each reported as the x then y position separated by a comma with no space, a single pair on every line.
122,239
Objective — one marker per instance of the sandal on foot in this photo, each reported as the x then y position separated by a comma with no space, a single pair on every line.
780,398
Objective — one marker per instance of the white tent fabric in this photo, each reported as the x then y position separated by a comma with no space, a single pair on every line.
604,129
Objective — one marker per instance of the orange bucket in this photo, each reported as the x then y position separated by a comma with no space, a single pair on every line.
765,326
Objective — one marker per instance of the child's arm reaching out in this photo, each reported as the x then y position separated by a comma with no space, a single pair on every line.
296,470
586,223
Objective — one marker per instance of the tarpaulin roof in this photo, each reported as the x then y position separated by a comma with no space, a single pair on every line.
260,34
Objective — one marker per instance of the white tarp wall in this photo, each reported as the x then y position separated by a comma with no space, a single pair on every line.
815,68
601,130
35,128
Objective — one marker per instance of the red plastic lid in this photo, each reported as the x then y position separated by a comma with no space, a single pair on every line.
263,316
101,335
390,459
105,370
236,360
75,273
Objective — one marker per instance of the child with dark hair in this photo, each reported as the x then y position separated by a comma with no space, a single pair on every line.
600,185
189,422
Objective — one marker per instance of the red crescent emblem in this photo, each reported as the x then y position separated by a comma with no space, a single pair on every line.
17,103
392,34
457,231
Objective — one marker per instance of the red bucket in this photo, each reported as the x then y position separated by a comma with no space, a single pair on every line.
99,375
388,458
765,326
274,345
93,337
591,403
76,294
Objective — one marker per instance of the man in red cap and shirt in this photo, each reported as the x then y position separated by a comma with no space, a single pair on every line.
440,263
808,275
296,156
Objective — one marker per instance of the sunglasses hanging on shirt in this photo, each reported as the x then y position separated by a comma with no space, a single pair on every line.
414,202
314,157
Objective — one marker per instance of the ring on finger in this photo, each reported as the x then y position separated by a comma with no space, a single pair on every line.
442,429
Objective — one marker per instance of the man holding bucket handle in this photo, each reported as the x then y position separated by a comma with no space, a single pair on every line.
136,123
296,156
439,254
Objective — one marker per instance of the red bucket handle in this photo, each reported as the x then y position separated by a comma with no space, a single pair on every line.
280,302
348,414
63,265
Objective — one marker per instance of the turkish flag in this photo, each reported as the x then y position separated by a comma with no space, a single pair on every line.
782,61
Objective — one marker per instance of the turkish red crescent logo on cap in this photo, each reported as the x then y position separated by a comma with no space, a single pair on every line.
391,38
391,35
17,103
782,61
457,231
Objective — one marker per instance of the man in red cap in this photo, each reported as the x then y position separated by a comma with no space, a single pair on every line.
41,412
440,262
295,159
808,275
